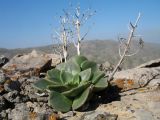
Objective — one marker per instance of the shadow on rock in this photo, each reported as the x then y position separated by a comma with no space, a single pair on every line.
109,95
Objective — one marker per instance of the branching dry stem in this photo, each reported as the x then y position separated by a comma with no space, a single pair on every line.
122,57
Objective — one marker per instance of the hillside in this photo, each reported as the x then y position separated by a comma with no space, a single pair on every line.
99,51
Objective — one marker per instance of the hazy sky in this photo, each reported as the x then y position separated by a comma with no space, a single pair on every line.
26,23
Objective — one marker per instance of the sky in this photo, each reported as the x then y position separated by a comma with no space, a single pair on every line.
29,23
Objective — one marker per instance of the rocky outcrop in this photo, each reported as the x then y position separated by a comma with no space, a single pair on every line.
139,104
23,102
139,100
147,74
136,78
31,64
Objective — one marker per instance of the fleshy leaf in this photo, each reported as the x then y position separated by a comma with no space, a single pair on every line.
97,76
89,64
42,84
54,75
66,77
60,66
76,91
59,102
76,79
85,75
74,82
101,84
81,99
79,59
58,88
72,67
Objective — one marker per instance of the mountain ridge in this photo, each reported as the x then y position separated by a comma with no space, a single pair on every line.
97,50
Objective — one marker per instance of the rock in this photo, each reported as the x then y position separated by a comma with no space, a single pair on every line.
154,83
98,115
2,81
31,111
2,77
27,65
136,77
3,103
142,114
12,85
143,75
55,59
20,112
1,89
27,89
154,107
3,115
133,102
3,60
33,79
150,64
107,67
67,115
40,108
22,80
12,96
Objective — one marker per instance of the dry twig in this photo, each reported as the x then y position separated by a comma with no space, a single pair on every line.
126,46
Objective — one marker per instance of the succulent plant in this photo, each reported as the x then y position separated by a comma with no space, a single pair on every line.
71,83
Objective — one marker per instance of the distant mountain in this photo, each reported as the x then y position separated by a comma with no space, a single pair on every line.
99,51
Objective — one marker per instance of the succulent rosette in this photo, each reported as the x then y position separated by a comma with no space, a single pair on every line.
70,84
